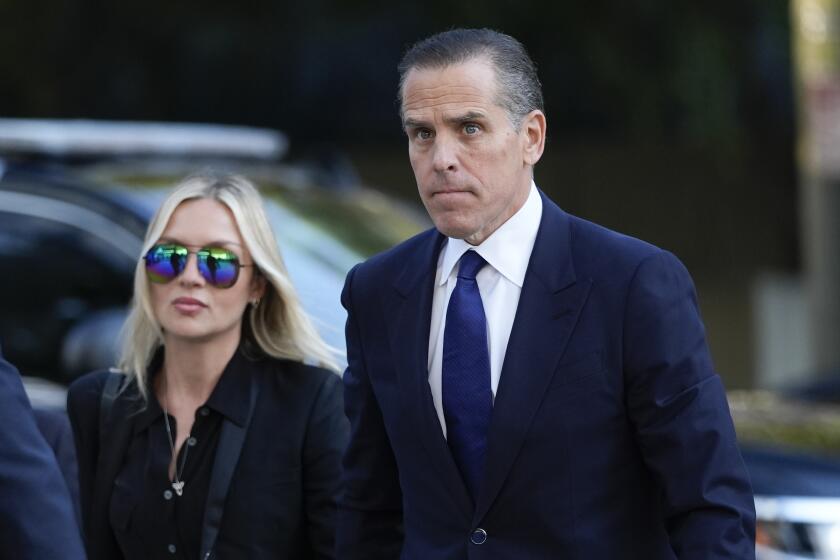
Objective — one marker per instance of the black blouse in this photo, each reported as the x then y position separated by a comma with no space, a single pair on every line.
150,520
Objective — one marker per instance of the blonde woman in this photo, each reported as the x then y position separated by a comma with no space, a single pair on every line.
213,439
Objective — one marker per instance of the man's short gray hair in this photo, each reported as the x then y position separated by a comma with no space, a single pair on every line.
519,89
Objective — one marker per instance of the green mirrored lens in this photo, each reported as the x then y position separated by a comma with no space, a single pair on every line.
165,262
218,266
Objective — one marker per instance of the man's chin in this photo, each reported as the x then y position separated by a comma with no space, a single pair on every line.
453,229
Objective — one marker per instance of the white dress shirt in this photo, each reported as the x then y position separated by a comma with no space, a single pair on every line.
507,252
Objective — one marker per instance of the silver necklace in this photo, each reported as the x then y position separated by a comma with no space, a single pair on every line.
178,483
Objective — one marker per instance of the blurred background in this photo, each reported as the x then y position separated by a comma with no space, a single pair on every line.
671,121
711,129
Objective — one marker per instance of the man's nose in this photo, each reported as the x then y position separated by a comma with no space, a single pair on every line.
445,154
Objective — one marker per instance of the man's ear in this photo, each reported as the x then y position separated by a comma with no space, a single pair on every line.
533,135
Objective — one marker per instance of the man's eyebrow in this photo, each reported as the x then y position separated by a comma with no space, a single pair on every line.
456,119
413,123
466,117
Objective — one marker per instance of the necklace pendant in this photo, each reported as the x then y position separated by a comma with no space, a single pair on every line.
179,487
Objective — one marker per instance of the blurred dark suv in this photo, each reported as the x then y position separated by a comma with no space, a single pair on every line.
75,199
790,439
67,257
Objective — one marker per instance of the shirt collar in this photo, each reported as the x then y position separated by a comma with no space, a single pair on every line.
508,249
230,396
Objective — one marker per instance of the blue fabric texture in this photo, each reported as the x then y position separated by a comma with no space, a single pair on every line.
467,398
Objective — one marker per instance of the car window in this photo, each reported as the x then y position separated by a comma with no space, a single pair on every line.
54,274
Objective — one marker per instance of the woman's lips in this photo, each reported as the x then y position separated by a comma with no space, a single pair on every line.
188,306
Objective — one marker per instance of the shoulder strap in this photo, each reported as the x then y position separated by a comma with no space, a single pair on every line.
113,439
228,450
106,402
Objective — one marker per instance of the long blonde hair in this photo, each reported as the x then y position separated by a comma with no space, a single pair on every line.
278,326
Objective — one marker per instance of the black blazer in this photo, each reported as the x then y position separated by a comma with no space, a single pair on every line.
36,515
275,475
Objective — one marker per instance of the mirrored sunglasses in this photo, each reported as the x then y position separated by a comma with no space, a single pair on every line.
217,265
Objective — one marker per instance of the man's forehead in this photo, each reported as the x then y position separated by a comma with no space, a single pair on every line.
444,96
469,83
472,69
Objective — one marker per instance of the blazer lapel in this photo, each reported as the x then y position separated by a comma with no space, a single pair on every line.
549,306
409,307
231,440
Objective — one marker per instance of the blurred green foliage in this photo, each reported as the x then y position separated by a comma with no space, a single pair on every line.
766,418
710,73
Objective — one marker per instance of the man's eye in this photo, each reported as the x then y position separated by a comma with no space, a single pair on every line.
471,128
423,134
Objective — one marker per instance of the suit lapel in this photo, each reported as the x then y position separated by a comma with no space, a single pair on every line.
409,308
549,306
231,440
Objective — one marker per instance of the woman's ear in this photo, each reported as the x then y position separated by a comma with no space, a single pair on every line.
258,285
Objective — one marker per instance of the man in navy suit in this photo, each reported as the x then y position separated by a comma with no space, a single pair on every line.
524,384
37,520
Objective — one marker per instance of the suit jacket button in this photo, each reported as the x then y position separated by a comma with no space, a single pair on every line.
479,536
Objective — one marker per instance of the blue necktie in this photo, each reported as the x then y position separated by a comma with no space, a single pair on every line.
467,399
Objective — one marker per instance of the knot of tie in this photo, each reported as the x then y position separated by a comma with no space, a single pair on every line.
471,263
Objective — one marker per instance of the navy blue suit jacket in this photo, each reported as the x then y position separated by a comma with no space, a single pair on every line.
611,437
36,515
54,426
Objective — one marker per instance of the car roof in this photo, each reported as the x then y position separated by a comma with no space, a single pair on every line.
85,138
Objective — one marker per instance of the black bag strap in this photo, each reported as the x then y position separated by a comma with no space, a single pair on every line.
106,402
229,448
